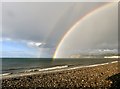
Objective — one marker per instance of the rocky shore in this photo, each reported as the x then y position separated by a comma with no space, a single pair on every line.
95,77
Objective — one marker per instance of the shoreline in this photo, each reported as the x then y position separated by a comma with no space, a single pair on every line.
105,75
49,70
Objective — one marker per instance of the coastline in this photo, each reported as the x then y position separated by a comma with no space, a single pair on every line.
49,70
91,76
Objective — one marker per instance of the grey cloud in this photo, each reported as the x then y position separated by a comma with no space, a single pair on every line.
41,22
30,21
73,14
97,31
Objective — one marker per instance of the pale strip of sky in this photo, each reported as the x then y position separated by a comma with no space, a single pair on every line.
60,0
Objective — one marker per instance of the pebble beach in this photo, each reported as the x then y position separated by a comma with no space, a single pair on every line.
101,76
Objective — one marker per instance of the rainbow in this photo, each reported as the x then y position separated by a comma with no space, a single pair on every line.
78,23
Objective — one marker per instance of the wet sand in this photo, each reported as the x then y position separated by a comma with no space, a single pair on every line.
101,76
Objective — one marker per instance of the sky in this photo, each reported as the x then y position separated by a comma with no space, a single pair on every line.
96,33
34,29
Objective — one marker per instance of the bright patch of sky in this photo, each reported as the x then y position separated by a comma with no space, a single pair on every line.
13,48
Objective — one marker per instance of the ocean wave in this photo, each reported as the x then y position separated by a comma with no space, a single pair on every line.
47,69
5,74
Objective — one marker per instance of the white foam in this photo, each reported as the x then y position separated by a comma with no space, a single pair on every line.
47,69
92,65
114,62
53,68
112,57
5,74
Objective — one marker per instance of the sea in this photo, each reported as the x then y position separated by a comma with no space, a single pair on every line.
15,65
